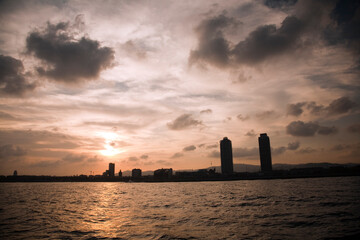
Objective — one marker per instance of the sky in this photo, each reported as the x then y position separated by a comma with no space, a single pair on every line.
157,84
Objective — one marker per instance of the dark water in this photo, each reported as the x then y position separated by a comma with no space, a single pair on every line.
321,208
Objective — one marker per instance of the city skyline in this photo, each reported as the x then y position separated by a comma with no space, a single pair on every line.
153,84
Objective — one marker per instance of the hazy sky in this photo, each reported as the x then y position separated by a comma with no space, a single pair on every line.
153,84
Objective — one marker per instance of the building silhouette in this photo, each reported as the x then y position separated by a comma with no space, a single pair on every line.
265,153
163,173
226,156
120,173
111,169
136,173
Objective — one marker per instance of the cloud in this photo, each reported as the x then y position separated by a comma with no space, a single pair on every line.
177,155
251,133
242,118
307,150
6,116
340,147
299,128
182,122
212,146
93,159
189,148
278,150
144,156
303,129
327,130
315,109
293,145
206,111
212,45
265,114
268,41
295,109
245,152
345,30
66,58
279,3
340,105
73,158
214,154
261,44
133,159
354,128
9,150
12,79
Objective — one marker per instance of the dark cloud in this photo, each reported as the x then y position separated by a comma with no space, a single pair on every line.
201,145
66,58
314,108
182,122
177,155
312,22
354,128
9,150
302,129
327,130
345,30
206,111
212,46
242,118
189,148
263,43
340,105
279,3
268,41
12,79
278,150
211,146
295,109
251,133
293,145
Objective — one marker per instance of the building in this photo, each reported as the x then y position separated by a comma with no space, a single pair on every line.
163,173
111,169
265,153
226,156
120,173
136,173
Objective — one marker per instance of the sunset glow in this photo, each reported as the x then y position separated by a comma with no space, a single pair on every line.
152,84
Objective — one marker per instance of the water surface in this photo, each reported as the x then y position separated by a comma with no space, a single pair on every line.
316,208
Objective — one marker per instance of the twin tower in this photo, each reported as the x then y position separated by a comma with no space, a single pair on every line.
227,166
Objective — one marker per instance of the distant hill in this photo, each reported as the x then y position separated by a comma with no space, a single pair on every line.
256,168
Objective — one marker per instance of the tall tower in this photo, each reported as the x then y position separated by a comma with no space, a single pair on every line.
226,156
265,153
111,169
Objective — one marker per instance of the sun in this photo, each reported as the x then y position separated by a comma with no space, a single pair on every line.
110,147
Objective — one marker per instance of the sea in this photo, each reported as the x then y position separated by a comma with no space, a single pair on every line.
311,208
